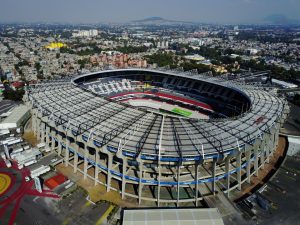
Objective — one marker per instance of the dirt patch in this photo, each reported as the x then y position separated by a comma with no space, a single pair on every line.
30,138
29,134
96,192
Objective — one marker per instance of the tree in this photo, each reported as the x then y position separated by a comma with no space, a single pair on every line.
66,50
228,51
40,76
162,59
193,65
37,66
82,62
132,49
14,95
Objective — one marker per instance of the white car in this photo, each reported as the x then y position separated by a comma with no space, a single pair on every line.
53,160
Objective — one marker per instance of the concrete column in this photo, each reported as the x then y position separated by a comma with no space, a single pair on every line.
273,143
140,180
38,126
227,171
97,160
196,183
248,167
213,184
109,166
262,155
276,138
268,146
33,123
178,186
67,152
59,146
239,170
75,162
52,140
47,136
158,186
85,164
256,160
43,132
124,170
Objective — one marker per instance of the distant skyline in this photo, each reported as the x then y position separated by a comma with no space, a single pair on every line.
97,11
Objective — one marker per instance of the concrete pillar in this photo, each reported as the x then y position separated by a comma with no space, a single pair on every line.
85,164
256,160
196,183
67,152
124,171
38,129
158,186
75,162
276,137
33,123
248,167
227,171
97,160
52,140
59,146
213,184
273,143
109,166
239,170
47,132
178,185
43,131
140,181
37,125
268,147
262,155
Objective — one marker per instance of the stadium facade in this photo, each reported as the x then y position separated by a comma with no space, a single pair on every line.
109,126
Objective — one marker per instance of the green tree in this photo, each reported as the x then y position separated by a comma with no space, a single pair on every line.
162,59
14,95
37,66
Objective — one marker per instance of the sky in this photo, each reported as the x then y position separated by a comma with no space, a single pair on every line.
95,11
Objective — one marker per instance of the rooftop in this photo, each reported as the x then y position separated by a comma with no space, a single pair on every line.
187,216
16,114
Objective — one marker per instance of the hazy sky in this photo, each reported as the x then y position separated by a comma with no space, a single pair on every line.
93,11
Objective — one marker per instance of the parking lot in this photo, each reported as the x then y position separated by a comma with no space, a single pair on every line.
284,193
279,197
74,209
49,159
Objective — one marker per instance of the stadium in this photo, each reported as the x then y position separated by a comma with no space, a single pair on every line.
159,135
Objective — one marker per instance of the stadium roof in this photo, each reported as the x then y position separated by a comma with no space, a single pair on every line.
186,216
80,112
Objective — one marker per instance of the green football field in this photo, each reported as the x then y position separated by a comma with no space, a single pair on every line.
181,112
